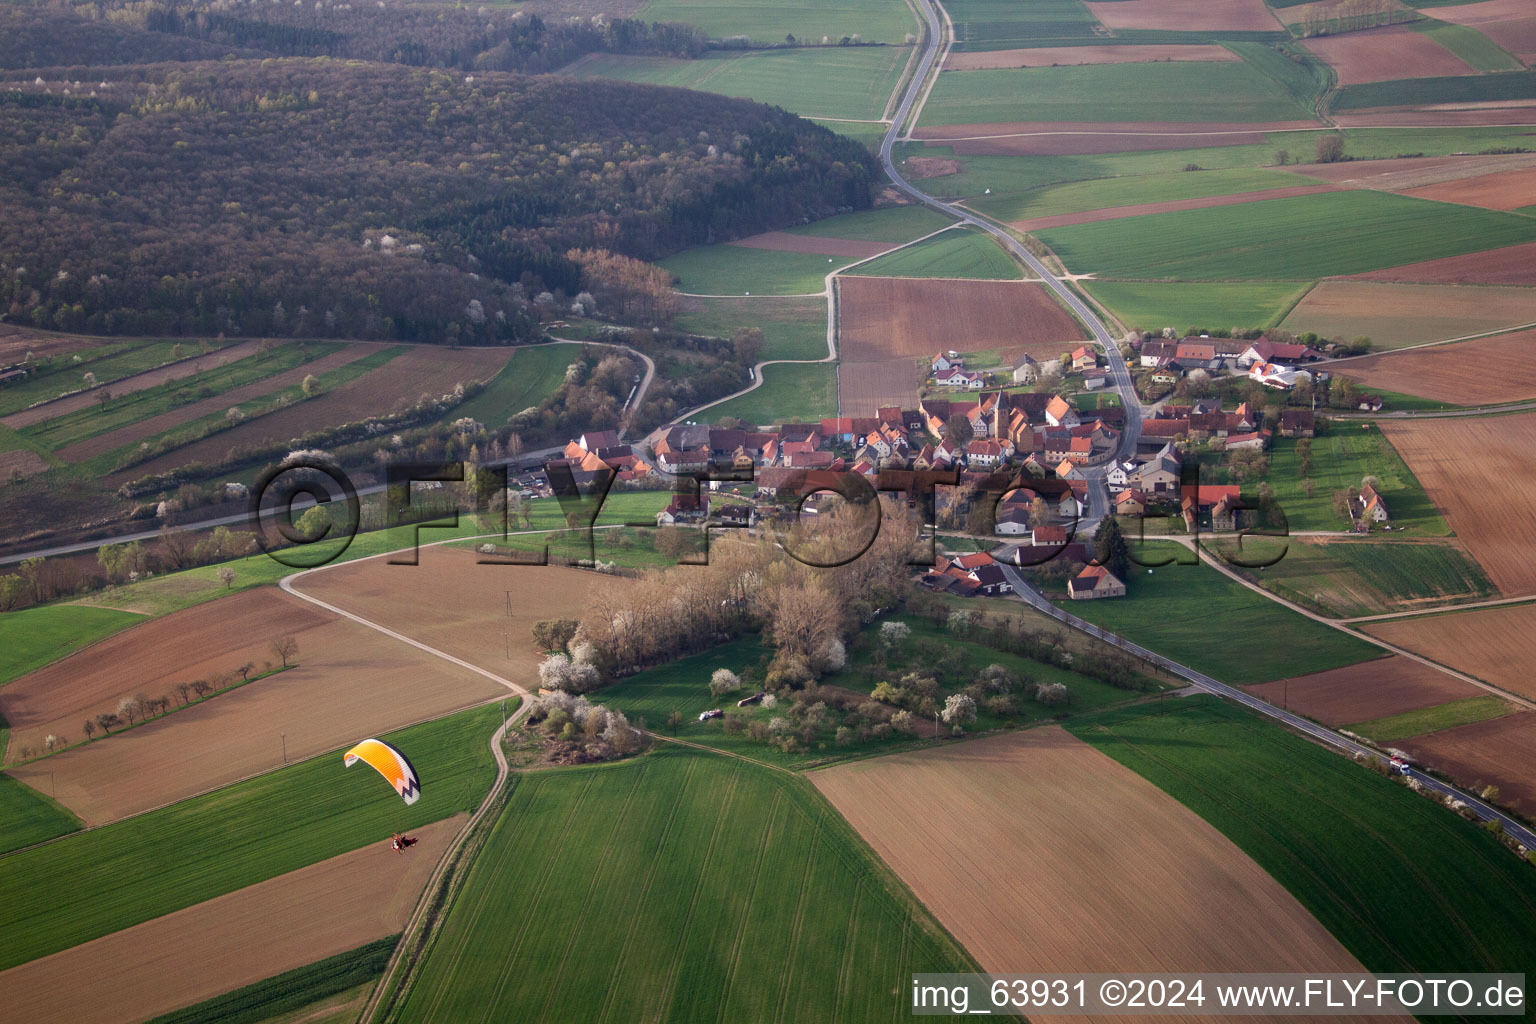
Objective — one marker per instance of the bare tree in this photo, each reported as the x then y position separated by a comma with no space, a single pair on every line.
245,670
184,690
286,647
106,720
201,687
90,729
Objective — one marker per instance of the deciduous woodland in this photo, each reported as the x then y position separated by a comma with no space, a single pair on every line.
315,197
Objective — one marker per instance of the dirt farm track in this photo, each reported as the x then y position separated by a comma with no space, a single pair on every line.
1017,843
1496,645
229,942
1471,469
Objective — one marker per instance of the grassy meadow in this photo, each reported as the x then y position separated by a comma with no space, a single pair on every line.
1100,194
683,886
29,816
1341,459
85,886
960,252
1345,841
740,270
768,21
790,393
1153,305
1442,716
532,375
794,327
1179,611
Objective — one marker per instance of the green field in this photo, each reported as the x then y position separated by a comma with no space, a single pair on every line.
85,886
1179,611
853,82
790,393
274,998
740,270
1228,91
1341,459
29,816
680,886
1349,578
1301,238
33,637
1470,45
110,363
960,252
1004,24
1444,716
1052,200
1348,843
530,376
794,327
874,21
1153,305
1010,174
1490,88
887,224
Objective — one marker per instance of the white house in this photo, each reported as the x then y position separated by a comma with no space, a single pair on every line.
1026,371
1119,474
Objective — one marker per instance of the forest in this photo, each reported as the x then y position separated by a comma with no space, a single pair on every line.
316,196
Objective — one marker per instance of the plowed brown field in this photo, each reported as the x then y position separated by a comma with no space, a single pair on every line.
1496,112
1181,15
1514,264
1018,844
153,425
1371,689
1456,373
1413,171
475,612
16,342
1500,752
783,241
1503,190
351,681
213,638
1496,645
1394,315
1510,23
1385,54
20,461
423,370
129,385
1474,472
882,317
863,388
1137,209
1048,56
232,941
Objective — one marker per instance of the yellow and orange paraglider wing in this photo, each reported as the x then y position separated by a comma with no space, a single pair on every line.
391,764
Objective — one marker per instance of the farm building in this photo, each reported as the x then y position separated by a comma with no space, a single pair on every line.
1094,582
1027,370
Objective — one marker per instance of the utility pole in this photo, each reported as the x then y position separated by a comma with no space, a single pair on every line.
285,748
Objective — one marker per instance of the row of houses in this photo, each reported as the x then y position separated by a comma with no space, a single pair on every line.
1217,354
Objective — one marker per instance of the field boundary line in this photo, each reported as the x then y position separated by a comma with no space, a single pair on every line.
1445,610
1429,344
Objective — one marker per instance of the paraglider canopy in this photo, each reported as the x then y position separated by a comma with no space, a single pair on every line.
391,764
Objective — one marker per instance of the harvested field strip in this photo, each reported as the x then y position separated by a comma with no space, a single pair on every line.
879,318
1496,645
1345,841
33,637
1384,54
235,940
1128,190
150,426
102,881
1445,716
1180,15
782,241
110,374
957,253
997,129
214,638
1111,93
659,888
1395,315
1030,826
459,606
1047,56
794,327
1456,373
419,370
1115,212
1412,172
1472,46
1369,690
1300,238
1503,190
1350,578
1468,467
864,388
1509,23
1515,264
1413,92
1500,752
